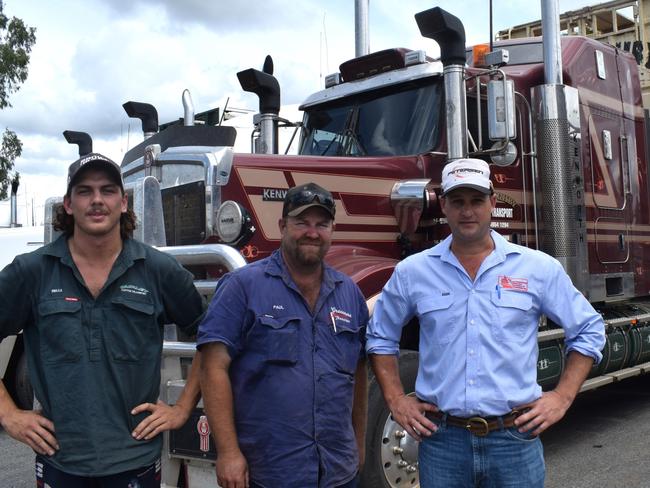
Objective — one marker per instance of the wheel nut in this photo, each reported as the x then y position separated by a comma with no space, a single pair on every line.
399,434
402,464
397,450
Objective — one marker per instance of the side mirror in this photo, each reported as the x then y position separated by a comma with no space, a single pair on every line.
501,110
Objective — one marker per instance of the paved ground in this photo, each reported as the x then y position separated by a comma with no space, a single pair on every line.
604,442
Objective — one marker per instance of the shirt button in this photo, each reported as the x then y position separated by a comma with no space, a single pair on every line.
471,382
473,291
471,352
471,321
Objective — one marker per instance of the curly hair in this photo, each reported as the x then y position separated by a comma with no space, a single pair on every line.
65,223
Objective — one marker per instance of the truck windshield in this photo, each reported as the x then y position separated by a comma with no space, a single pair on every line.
394,121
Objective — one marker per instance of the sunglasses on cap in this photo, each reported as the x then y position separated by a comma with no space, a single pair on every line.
309,194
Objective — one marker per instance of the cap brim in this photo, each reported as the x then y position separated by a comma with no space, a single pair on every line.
482,189
97,164
298,210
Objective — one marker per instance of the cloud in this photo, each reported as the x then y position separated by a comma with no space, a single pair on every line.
218,16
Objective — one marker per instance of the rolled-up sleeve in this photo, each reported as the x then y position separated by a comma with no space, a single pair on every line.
183,304
228,312
584,329
392,311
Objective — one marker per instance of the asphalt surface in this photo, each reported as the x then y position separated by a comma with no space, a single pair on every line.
603,442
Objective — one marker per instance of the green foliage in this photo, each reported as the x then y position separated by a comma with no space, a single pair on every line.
16,40
10,149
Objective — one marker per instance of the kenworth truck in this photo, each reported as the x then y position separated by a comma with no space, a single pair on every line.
561,122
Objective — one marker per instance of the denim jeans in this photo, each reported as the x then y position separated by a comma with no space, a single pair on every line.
453,457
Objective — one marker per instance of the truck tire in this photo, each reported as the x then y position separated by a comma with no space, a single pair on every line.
386,466
20,386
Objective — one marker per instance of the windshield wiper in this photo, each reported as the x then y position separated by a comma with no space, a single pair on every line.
347,136
350,132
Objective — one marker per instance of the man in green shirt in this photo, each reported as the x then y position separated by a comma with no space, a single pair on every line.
92,306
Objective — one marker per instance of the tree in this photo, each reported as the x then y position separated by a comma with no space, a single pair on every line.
10,149
16,41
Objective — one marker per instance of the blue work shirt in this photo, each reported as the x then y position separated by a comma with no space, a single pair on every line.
292,371
478,339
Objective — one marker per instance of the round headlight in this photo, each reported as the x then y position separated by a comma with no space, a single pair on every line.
230,221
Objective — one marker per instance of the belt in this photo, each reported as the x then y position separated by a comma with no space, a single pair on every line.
479,426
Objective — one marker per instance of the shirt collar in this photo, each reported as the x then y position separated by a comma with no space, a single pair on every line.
131,250
502,247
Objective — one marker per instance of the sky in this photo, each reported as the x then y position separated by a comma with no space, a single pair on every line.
91,56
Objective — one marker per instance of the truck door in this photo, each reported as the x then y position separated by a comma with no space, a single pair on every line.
611,140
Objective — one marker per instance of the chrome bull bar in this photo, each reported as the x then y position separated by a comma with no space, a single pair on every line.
171,377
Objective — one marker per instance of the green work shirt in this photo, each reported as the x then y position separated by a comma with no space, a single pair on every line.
91,360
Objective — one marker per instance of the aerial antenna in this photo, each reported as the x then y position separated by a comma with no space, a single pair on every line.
324,45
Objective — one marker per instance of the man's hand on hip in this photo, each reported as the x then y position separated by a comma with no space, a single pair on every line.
542,413
232,469
409,412
163,417
31,428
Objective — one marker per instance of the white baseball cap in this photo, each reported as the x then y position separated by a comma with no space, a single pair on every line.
466,173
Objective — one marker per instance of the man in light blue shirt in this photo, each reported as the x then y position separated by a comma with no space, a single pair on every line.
478,299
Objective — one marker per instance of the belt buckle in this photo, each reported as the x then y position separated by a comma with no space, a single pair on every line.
478,426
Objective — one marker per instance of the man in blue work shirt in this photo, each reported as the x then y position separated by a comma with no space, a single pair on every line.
92,306
478,299
284,375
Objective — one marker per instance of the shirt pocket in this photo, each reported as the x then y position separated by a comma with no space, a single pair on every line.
131,330
347,346
511,309
280,339
436,317
60,327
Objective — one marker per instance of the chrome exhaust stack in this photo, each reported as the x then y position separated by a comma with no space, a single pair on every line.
14,203
147,113
361,37
267,88
556,115
81,139
188,108
448,31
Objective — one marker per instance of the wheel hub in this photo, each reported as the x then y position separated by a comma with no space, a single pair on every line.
399,456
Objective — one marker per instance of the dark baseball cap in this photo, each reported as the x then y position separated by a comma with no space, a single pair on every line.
94,161
301,197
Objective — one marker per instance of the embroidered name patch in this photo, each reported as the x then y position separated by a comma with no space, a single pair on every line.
519,284
136,290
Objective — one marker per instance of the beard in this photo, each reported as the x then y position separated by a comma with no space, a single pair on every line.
306,252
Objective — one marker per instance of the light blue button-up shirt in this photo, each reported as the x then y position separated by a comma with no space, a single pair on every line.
478,339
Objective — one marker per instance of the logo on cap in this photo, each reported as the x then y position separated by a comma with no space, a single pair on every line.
466,173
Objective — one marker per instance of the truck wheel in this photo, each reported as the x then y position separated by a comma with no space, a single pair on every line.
391,454
21,387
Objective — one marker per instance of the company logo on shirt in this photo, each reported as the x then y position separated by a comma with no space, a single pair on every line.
136,290
337,314
56,290
509,283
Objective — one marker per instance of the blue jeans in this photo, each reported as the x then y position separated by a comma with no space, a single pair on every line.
453,457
